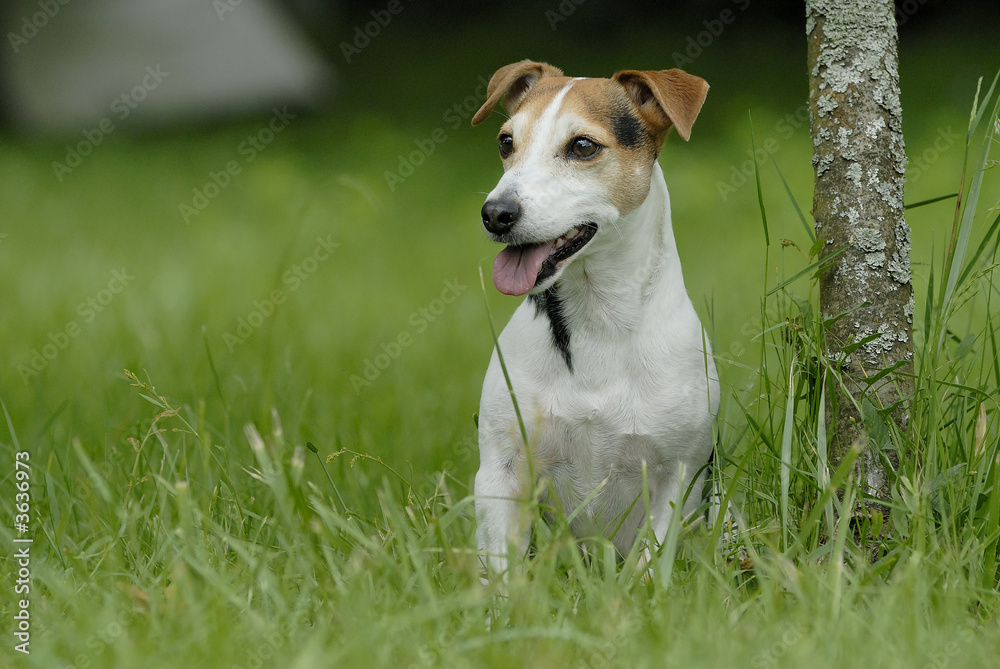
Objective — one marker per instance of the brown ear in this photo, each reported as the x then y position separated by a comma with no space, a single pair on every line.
512,82
665,97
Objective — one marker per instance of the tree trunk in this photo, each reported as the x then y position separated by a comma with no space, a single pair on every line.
858,206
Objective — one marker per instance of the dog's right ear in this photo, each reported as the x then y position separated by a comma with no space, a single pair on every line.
512,82
665,98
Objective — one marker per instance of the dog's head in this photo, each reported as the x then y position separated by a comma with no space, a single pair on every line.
577,155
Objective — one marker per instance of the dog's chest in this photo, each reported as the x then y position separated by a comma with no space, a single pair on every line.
615,412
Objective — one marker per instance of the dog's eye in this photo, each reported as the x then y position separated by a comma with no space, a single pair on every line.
506,145
581,147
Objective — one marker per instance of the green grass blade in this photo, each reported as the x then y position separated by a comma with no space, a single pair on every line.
929,306
503,365
923,203
882,373
825,500
839,541
95,476
957,256
727,497
211,365
816,265
668,551
983,245
822,456
795,203
992,528
329,478
786,455
756,173
977,116
996,356
10,427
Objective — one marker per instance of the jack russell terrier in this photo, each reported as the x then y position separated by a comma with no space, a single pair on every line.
608,361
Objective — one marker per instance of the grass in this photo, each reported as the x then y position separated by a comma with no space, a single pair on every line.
180,518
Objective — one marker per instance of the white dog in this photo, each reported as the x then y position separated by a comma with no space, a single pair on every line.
606,356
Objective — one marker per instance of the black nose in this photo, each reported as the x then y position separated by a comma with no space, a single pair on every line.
500,215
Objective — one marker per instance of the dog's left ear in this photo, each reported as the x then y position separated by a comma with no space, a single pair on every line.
665,98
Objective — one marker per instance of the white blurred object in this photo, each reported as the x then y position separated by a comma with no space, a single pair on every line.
69,64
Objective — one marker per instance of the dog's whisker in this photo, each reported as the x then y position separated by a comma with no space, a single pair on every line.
619,230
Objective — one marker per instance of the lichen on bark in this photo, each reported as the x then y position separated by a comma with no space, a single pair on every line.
860,166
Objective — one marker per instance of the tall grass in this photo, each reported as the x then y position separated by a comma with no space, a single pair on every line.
944,497
181,551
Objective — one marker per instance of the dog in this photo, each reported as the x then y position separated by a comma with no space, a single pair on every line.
609,364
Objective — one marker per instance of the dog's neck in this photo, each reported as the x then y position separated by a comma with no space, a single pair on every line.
608,288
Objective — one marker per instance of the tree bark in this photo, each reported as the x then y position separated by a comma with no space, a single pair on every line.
858,206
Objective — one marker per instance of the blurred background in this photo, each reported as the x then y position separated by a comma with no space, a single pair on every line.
272,208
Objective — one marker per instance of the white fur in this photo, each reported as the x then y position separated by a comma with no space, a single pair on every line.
643,390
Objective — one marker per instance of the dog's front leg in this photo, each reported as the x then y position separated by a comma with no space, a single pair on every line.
502,527
666,502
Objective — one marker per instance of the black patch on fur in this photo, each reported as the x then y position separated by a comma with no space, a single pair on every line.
550,304
547,269
629,130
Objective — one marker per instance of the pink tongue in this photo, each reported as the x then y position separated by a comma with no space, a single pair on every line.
516,268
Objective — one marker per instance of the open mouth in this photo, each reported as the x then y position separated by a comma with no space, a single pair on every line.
519,268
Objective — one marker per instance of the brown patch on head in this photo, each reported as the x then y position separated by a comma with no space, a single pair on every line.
529,110
608,116
538,98
632,114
